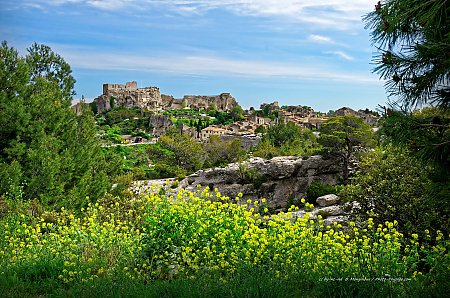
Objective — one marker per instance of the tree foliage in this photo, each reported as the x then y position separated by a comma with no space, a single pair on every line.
425,133
392,185
413,37
237,113
177,154
286,139
46,150
220,153
341,135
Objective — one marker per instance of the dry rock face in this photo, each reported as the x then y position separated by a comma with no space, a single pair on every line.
327,200
150,99
159,124
128,96
279,180
248,141
339,213
223,101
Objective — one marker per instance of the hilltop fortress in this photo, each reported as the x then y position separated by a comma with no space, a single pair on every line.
150,99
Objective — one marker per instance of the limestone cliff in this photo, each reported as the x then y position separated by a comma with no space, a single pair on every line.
223,101
150,99
159,124
128,96
278,180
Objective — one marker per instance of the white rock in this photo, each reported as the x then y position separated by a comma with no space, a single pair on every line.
340,219
329,210
327,200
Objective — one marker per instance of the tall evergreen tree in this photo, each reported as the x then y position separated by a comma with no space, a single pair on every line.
413,37
46,150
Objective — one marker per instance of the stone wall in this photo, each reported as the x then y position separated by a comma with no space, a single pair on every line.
125,96
369,119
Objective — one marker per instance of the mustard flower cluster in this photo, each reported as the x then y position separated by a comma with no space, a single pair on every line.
169,237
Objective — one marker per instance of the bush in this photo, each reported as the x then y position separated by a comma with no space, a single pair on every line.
251,176
318,189
393,185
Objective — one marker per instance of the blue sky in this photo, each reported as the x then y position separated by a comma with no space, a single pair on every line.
309,52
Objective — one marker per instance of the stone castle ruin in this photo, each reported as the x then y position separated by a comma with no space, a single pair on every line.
150,99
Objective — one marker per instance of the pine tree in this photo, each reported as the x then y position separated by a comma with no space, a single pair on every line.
413,37
341,135
46,150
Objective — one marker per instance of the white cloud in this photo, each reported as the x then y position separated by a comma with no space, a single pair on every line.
109,4
342,55
320,39
207,65
339,14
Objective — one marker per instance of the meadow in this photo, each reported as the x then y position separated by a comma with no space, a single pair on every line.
204,244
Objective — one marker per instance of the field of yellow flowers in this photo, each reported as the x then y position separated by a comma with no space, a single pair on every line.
205,244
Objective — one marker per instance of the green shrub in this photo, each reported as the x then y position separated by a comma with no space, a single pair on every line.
393,185
318,189
251,176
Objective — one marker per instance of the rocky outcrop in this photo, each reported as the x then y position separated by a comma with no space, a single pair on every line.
128,96
248,141
223,101
327,200
278,180
150,99
159,124
334,213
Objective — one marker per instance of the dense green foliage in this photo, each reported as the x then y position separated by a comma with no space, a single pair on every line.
393,185
341,135
176,155
201,119
286,139
413,36
47,152
212,245
237,113
425,133
317,189
220,153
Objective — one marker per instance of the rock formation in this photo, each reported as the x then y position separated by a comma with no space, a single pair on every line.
223,101
279,180
150,99
159,124
248,141
129,96
330,210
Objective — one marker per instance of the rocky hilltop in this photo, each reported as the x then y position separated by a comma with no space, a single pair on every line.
279,179
150,99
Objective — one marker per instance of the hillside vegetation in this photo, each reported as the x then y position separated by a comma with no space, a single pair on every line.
71,226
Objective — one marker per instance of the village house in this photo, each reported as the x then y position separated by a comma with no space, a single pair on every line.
259,120
212,130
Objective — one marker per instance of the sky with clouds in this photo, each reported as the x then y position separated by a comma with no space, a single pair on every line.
298,52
